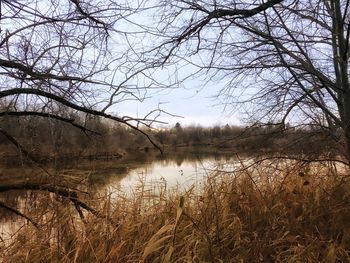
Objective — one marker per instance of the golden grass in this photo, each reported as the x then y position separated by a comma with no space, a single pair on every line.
249,216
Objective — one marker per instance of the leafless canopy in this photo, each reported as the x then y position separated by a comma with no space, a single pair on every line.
289,59
279,61
57,57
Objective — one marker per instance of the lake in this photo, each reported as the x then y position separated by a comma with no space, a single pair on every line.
151,172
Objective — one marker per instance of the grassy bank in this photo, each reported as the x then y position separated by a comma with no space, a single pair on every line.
277,214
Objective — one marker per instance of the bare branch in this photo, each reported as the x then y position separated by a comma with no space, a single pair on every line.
15,211
49,116
76,107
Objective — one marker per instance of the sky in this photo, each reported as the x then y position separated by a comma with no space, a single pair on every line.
192,106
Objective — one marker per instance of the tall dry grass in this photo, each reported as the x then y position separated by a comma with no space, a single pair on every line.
265,215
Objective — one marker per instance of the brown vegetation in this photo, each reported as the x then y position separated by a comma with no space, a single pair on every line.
283,213
258,139
47,141
54,140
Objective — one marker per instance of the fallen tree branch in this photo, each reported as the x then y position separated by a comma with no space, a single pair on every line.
58,190
15,211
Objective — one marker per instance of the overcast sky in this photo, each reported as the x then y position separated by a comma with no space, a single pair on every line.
195,106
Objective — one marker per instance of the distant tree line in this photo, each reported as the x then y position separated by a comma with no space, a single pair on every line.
49,138
62,58
267,138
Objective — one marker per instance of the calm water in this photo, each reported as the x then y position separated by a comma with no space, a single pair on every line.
147,173
152,173
166,173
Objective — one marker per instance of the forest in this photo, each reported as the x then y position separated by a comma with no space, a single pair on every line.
97,162
46,142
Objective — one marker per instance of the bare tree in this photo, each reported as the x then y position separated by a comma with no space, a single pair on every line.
289,59
57,56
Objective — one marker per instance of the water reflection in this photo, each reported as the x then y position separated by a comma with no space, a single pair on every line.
177,171
171,173
23,201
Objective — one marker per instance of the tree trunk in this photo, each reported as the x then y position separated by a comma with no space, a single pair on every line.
346,124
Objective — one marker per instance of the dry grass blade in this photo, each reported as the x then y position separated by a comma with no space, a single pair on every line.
231,219
156,241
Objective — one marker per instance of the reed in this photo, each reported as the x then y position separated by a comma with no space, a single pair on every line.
263,215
